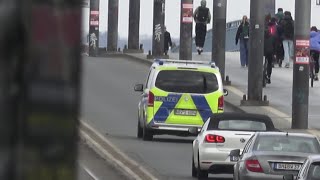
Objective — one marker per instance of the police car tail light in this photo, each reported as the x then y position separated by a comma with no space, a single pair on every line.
221,103
253,165
211,138
150,99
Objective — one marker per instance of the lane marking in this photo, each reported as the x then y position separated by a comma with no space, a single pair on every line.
109,156
235,90
145,171
88,171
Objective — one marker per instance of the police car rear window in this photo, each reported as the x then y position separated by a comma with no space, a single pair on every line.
184,81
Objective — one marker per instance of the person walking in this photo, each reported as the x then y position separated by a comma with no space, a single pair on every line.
202,17
279,15
243,35
167,41
287,35
315,49
270,46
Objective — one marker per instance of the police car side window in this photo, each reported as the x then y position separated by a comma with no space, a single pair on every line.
150,79
147,80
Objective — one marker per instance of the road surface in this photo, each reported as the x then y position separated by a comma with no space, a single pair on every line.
109,105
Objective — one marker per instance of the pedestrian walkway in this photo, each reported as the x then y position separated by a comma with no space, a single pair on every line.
279,92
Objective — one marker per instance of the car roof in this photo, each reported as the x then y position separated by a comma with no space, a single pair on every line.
285,134
215,118
184,63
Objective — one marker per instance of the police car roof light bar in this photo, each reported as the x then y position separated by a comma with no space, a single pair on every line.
184,62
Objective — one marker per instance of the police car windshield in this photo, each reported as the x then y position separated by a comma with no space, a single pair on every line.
186,81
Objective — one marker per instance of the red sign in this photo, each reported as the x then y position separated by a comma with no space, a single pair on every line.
94,18
302,51
187,13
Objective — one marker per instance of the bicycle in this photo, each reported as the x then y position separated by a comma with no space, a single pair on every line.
312,69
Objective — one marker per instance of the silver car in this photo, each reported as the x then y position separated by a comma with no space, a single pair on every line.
271,155
310,170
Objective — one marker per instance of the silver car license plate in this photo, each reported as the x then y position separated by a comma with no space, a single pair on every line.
285,166
183,112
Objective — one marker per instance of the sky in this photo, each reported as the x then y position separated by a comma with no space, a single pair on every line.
235,10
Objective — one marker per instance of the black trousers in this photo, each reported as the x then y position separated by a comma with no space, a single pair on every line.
201,32
315,55
269,58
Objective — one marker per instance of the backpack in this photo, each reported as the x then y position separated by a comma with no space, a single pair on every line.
203,14
272,30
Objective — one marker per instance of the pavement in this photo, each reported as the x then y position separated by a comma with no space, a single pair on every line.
279,92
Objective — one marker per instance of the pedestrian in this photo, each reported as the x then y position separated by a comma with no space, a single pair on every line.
167,41
287,35
243,35
279,15
315,49
270,46
202,17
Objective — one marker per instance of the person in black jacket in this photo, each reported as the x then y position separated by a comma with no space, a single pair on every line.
270,36
202,17
287,36
243,35
167,41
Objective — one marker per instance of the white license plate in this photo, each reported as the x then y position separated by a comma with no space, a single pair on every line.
284,166
182,112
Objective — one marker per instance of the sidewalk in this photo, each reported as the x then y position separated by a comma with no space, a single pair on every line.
279,92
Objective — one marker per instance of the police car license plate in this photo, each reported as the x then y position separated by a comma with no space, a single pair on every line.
183,112
284,166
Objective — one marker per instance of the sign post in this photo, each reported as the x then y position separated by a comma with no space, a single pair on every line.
186,22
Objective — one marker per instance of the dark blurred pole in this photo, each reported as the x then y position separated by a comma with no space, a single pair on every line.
270,7
11,46
51,94
256,52
158,27
113,26
186,21
94,21
219,35
134,24
300,88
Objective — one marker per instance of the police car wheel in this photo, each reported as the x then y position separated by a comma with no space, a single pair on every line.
146,135
194,169
139,130
202,174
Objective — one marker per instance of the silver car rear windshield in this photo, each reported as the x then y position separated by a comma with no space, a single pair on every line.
287,144
187,81
241,125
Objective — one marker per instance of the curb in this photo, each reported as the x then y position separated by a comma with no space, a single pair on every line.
109,152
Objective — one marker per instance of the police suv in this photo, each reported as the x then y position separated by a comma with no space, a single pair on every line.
178,95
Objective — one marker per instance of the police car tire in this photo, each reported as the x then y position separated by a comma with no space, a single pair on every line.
139,130
201,173
194,169
146,136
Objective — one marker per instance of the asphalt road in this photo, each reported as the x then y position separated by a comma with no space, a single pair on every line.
109,105
93,167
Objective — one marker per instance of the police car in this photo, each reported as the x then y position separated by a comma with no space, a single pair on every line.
178,95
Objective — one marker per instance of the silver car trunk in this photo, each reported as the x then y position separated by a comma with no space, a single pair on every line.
280,162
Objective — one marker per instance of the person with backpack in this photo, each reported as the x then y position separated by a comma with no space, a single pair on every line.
287,35
315,49
270,36
202,17
243,35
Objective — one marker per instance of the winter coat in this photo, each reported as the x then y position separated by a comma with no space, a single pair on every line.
315,41
240,34
287,28
269,40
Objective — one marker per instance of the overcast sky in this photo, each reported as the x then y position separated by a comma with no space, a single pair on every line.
235,10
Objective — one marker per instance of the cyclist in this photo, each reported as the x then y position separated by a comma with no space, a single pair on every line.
315,49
